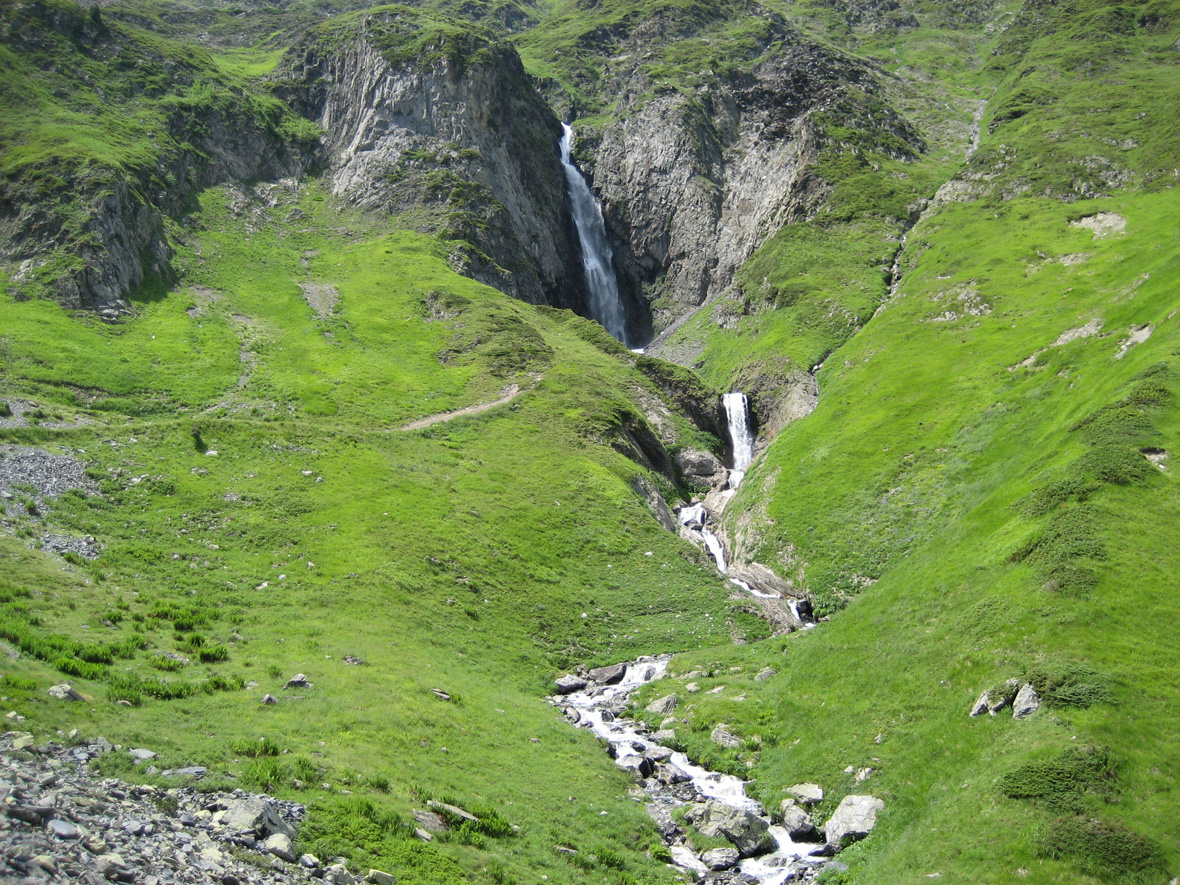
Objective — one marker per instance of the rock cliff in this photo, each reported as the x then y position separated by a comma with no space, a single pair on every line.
454,134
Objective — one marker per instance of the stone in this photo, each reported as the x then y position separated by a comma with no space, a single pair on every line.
611,675
110,865
440,694
63,829
670,774
1027,702
980,705
279,844
338,874
798,823
664,735
379,877
807,794
422,836
664,705
453,810
658,754
641,765
429,821
269,699
853,819
298,681
256,816
999,698
746,831
21,740
699,465
141,755
765,673
718,859
723,737
64,692
569,683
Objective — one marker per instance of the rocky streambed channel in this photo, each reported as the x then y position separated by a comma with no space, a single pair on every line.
764,851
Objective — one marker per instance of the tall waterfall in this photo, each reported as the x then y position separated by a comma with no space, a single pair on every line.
737,414
605,305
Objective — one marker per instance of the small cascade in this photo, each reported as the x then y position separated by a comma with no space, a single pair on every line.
671,780
605,304
695,518
737,415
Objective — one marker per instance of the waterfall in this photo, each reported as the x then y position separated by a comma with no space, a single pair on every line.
737,414
605,305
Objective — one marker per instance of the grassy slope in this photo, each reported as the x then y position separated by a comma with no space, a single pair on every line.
999,532
479,556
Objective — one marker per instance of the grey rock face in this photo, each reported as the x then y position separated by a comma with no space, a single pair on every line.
611,675
663,706
797,822
853,819
389,127
720,858
569,683
744,830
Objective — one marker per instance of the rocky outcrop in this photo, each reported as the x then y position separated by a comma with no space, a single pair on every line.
693,184
106,236
457,135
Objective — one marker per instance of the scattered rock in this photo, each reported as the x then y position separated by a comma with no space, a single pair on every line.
453,810
379,877
569,683
257,816
141,755
269,699
664,705
764,674
354,660
298,681
745,830
853,819
279,844
440,694
723,737
429,821
980,705
1027,702
63,829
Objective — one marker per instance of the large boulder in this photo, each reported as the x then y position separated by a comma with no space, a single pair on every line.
797,822
611,675
718,859
699,466
255,816
1027,702
569,683
723,737
853,819
746,831
807,794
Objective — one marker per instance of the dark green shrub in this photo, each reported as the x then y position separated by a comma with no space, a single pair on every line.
1107,851
1061,783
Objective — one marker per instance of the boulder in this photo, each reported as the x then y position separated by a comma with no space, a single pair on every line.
664,705
256,816
453,810
569,683
671,774
718,859
338,874
853,819
611,675
765,673
723,737
663,736
658,754
64,692
269,699
699,465
746,831
380,877
641,765
141,755
1027,702
279,844
798,823
807,794
980,705
298,681
1001,696
429,821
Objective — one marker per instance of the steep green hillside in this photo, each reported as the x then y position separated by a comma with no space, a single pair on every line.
299,441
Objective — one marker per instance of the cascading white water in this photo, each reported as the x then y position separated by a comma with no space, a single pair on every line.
605,305
694,518
737,415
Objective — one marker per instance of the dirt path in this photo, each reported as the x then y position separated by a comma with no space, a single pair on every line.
511,392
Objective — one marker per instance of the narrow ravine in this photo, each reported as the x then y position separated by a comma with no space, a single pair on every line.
763,853
606,307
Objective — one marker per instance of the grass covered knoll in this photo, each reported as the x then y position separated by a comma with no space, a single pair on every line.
259,512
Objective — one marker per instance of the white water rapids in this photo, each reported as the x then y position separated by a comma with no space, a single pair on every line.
605,305
597,708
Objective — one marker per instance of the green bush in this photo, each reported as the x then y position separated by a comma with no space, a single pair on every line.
1108,851
1061,783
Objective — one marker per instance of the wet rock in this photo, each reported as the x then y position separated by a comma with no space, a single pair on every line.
723,737
853,819
611,675
664,705
1027,702
718,859
797,822
746,831
670,774
807,794
569,683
